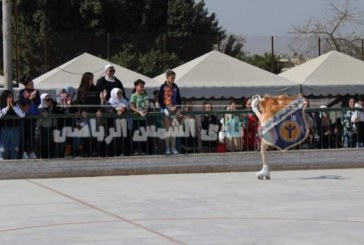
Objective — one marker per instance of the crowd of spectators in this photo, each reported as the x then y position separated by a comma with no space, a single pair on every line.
99,120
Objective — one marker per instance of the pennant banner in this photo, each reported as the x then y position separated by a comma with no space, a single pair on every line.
284,125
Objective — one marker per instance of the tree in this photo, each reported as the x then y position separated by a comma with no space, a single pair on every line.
150,64
54,31
233,46
192,31
266,62
342,31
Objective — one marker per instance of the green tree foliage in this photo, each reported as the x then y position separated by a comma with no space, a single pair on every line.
143,35
233,46
191,30
266,62
145,63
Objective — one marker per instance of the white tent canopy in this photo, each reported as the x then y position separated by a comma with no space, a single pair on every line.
218,75
333,73
71,72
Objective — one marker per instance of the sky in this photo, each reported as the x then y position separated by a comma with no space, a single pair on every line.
257,20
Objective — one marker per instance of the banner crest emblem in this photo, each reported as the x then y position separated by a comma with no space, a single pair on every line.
283,124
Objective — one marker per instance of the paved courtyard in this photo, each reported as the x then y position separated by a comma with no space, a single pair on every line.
295,207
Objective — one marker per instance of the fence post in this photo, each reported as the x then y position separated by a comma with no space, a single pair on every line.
319,46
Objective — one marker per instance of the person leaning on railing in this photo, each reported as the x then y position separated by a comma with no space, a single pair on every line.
66,106
90,100
232,127
118,107
156,123
190,142
210,128
139,104
328,131
46,123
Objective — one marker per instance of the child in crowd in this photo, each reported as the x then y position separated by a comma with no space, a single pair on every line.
190,133
232,127
156,123
139,104
170,101
210,128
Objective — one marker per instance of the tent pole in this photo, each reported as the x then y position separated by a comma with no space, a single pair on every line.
272,65
362,49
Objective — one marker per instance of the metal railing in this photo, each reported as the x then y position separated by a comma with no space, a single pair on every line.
72,135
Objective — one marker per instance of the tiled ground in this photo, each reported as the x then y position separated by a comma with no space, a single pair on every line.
295,207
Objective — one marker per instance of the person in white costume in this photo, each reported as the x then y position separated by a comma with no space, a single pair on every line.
267,108
262,116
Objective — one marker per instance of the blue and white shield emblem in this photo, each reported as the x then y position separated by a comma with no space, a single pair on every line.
286,127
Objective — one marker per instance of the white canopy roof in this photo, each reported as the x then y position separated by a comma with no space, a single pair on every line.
333,73
218,75
71,72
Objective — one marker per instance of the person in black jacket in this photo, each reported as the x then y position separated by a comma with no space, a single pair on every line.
106,83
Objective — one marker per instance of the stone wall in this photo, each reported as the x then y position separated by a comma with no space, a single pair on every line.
199,163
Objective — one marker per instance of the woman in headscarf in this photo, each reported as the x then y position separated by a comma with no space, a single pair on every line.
45,126
65,105
118,107
117,101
